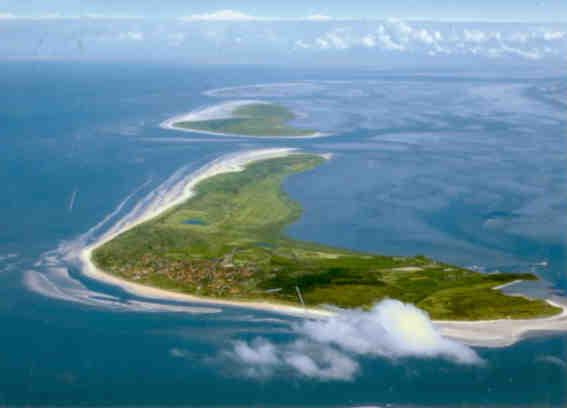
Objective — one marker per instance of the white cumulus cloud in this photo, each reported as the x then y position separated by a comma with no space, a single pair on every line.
302,44
327,349
318,17
132,35
554,35
176,39
369,41
221,15
390,329
399,36
260,351
320,362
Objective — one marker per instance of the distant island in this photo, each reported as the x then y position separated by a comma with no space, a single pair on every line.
227,242
242,118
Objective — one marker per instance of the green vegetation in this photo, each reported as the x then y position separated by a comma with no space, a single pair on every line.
228,242
256,119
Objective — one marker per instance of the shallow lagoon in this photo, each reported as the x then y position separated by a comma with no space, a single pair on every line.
195,221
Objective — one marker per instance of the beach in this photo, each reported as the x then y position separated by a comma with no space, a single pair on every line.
488,333
224,111
504,332
226,164
421,166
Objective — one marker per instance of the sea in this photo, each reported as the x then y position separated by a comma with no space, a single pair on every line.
465,167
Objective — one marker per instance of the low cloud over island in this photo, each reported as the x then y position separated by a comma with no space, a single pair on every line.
328,349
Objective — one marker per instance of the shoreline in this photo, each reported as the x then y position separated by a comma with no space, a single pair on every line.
230,163
170,125
506,285
504,332
315,135
483,333
211,114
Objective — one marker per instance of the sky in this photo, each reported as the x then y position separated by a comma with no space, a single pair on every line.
454,10
371,33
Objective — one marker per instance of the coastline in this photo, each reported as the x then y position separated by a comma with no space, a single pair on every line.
504,332
231,163
487,333
506,285
224,111
169,124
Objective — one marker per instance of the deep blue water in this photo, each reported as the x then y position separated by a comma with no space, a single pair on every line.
470,171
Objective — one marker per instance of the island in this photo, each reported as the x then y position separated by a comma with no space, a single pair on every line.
242,118
228,242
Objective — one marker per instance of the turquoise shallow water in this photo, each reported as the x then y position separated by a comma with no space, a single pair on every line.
470,171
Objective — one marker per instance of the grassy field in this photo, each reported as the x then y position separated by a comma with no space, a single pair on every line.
257,119
228,242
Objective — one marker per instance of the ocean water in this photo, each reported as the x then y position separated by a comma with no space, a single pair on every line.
468,169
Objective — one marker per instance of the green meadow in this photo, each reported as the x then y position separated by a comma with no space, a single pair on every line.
256,119
228,242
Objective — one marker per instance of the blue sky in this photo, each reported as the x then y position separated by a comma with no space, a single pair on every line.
454,10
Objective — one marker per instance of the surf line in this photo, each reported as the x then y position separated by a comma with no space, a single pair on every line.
72,200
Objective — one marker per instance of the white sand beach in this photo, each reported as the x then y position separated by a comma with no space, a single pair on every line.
227,164
504,332
224,110
489,333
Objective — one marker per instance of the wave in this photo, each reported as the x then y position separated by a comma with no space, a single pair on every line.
52,276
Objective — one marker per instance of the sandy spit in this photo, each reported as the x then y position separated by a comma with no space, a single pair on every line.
486,333
224,111
231,163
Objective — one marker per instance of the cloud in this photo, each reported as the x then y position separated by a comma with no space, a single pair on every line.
48,16
222,15
320,362
98,16
401,37
554,35
258,358
385,40
259,39
302,44
176,39
234,15
260,351
326,349
131,35
337,39
519,37
59,16
318,17
527,54
261,358
477,36
369,41
390,329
